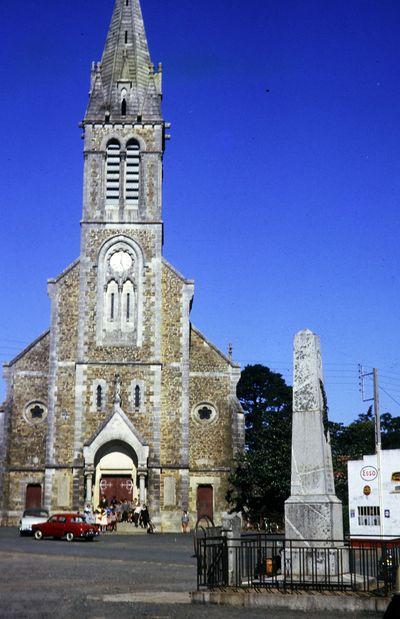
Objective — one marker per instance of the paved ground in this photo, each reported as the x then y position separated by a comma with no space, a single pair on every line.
117,576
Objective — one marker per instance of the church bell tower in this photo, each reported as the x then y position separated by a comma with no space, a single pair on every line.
123,126
120,288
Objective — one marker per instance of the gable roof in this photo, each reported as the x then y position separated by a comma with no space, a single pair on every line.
27,349
214,348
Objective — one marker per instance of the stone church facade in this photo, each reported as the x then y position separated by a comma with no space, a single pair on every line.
122,395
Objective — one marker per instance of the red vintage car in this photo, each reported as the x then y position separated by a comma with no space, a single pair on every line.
70,526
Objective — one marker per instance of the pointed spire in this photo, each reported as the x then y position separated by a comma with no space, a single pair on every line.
125,69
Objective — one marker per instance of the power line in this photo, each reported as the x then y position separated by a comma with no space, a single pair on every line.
390,396
389,382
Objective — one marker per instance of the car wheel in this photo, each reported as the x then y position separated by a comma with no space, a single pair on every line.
38,534
69,536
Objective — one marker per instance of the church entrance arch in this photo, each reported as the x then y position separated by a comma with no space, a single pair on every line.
115,465
116,450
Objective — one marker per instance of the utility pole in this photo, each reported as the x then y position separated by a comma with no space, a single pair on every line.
378,449
378,438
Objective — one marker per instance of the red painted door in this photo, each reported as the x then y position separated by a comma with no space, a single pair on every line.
119,486
205,503
33,496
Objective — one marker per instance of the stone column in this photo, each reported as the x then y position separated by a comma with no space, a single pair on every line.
232,530
89,484
142,488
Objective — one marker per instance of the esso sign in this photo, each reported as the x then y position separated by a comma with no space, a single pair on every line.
369,473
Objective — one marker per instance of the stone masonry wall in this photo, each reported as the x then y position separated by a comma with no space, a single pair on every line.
142,418
17,483
204,357
210,443
29,375
68,314
67,319
25,442
171,392
172,288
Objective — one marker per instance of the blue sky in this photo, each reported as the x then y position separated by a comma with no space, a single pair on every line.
282,179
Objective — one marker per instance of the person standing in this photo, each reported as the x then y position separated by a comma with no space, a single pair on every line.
103,520
185,522
89,516
125,508
113,521
136,514
144,517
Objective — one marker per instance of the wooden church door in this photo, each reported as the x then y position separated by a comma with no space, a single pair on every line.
205,501
119,486
33,496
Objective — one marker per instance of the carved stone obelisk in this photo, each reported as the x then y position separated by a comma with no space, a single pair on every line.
313,511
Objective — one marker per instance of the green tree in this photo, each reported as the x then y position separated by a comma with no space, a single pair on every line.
390,427
261,482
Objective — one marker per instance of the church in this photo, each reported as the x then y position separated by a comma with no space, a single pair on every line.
122,396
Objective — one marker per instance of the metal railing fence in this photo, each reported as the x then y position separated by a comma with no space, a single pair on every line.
264,561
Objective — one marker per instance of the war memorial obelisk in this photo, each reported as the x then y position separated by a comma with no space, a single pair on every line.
313,513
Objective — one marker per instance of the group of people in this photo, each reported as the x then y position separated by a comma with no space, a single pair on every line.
109,513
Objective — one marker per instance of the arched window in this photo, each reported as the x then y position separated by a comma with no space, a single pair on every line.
137,396
112,302
120,269
123,107
113,172
99,396
132,173
128,302
98,400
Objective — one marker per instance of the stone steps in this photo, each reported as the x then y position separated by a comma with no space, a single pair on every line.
127,528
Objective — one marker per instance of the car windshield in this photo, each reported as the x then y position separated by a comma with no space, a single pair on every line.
40,513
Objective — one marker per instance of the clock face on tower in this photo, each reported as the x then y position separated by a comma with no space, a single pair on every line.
120,262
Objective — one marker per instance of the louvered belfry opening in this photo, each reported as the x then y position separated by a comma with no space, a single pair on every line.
113,172
132,173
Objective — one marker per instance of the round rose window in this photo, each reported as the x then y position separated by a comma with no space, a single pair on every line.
205,413
35,412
